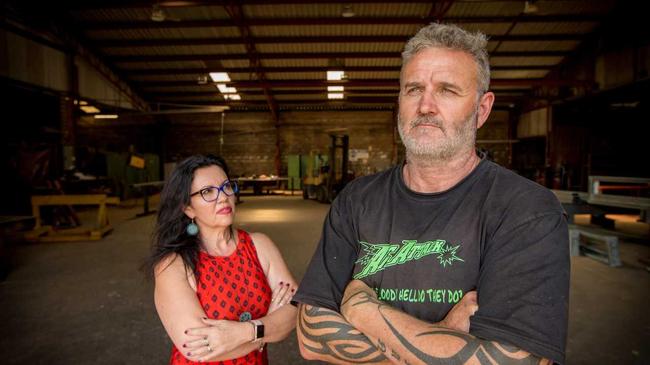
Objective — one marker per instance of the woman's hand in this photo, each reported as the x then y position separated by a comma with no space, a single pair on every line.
216,338
282,294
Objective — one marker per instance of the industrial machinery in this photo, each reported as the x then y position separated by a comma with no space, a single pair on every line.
325,176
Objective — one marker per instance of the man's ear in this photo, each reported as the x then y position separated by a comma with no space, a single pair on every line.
484,108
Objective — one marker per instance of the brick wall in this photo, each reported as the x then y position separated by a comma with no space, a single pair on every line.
249,138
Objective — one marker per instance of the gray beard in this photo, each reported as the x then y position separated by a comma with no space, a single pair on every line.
462,137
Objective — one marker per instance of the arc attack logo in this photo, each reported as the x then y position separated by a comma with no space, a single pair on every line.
381,256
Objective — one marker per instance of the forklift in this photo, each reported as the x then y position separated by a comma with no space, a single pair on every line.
327,175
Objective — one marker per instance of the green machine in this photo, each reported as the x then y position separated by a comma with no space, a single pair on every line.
320,176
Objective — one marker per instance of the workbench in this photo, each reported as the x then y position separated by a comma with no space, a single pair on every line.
45,233
147,188
259,183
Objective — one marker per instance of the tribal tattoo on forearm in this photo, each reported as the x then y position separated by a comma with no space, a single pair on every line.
486,352
332,336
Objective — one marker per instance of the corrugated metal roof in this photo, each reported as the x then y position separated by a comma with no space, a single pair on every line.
538,45
183,77
487,28
295,75
554,28
510,87
487,9
144,13
503,20
159,65
301,97
555,7
358,75
519,74
335,30
105,15
233,63
295,62
378,62
394,88
525,61
335,10
164,33
329,47
177,89
175,50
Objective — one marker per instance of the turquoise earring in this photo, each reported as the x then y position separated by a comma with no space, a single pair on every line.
192,229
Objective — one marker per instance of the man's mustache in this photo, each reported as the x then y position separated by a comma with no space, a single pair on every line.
428,120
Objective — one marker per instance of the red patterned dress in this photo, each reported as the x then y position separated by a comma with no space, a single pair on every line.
228,286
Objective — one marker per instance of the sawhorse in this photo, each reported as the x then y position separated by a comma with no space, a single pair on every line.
609,256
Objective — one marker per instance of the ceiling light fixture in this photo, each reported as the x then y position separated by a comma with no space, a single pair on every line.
335,75
89,109
226,90
347,11
219,76
106,116
335,95
232,96
335,88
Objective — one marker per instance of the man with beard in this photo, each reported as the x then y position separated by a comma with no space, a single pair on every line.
446,258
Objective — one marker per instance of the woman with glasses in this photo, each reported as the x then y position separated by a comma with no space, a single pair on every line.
220,292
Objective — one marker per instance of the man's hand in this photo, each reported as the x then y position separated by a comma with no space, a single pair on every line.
458,317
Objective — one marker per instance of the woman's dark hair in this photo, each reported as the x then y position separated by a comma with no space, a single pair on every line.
169,235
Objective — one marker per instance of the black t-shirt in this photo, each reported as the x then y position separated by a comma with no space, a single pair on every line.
495,232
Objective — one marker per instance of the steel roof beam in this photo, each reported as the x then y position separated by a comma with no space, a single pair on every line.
252,22
126,43
299,69
367,83
315,55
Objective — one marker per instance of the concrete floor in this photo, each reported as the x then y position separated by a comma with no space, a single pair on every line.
87,303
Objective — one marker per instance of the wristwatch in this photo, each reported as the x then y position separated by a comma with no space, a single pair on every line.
258,329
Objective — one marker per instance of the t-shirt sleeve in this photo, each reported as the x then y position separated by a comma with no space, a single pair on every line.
523,287
331,265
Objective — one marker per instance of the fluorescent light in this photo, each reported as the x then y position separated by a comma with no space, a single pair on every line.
347,11
83,102
219,76
106,116
232,96
335,95
226,90
89,109
335,75
335,88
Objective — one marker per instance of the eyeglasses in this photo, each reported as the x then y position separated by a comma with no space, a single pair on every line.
211,193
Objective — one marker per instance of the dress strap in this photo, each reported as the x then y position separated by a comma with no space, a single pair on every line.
247,245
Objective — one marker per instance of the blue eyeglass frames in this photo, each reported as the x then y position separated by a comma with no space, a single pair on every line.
211,193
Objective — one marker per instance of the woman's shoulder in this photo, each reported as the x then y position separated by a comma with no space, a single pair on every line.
261,240
170,264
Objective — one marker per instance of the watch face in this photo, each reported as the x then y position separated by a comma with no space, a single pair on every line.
260,331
